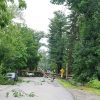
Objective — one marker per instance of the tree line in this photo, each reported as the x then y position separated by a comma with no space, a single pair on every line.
18,44
74,40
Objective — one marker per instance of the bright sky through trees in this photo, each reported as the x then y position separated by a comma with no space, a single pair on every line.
39,12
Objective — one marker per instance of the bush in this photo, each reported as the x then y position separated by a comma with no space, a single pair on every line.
6,81
94,84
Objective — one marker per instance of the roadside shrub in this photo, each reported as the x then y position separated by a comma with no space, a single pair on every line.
94,84
5,81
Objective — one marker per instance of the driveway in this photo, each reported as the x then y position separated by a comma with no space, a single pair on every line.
35,89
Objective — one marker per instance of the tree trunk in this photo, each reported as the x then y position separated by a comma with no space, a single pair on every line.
66,72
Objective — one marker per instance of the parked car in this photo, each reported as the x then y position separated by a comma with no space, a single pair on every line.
30,74
12,75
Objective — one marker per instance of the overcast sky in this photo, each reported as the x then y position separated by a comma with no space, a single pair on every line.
38,13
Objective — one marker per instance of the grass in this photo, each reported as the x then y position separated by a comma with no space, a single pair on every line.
65,83
86,88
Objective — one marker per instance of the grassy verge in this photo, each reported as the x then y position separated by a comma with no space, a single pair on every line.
86,88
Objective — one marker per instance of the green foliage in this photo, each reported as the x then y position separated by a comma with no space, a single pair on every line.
94,84
18,44
86,49
6,13
65,83
57,40
19,93
31,94
22,4
87,87
6,81
86,64
32,45
44,60
18,48
2,69
57,1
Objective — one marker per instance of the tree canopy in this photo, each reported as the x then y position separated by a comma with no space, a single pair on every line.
18,44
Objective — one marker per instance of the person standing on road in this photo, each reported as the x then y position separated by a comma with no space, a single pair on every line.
62,72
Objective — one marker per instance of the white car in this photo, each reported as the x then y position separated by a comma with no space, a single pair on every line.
12,75
30,74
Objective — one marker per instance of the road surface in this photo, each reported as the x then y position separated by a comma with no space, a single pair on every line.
35,89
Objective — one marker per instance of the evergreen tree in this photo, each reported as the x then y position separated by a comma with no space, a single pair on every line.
57,45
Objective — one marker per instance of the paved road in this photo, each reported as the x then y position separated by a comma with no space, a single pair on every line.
35,89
